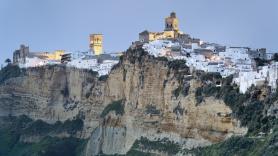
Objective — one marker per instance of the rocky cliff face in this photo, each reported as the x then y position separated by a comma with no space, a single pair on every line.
157,96
51,93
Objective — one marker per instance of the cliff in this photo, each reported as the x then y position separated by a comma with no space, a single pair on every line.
142,98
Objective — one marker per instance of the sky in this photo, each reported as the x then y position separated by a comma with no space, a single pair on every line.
48,25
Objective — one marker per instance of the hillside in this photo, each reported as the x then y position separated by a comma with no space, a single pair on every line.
145,105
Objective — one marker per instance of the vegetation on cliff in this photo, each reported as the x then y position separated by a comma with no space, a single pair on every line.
103,78
163,145
40,127
14,129
10,71
249,108
117,106
248,146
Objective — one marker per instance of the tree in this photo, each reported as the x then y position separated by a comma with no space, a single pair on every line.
8,61
275,57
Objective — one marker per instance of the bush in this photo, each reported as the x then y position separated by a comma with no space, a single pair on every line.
178,110
9,71
246,107
243,146
124,74
117,106
210,90
93,73
261,62
65,146
65,91
150,109
103,78
13,127
40,127
163,145
177,91
134,152
115,66
198,95
177,64
69,126
275,57
162,58
235,146
210,77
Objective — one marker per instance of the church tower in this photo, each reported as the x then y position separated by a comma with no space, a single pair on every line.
96,43
172,23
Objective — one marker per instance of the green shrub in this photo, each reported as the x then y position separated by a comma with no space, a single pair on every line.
134,152
177,91
246,107
163,145
65,91
179,110
65,146
10,71
117,106
93,73
38,127
177,64
261,62
114,67
69,126
151,109
275,57
247,146
164,83
210,90
198,95
162,58
211,76
124,74
50,146
13,127
231,147
103,78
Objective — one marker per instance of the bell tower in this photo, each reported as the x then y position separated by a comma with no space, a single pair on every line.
171,23
96,43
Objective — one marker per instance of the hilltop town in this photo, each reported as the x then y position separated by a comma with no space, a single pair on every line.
247,66
93,59
167,94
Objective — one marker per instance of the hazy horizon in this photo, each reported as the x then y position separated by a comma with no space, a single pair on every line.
66,24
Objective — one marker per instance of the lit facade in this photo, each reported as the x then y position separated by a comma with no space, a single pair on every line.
171,30
96,43
56,55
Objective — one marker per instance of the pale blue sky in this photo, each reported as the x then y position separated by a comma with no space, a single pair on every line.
47,25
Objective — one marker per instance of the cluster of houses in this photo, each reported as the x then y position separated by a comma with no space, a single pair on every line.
237,61
101,63
210,57
173,44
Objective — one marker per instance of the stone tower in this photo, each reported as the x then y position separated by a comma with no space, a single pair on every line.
172,23
96,43
19,56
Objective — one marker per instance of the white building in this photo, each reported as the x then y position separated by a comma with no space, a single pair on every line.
36,62
269,56
233,61
273,76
